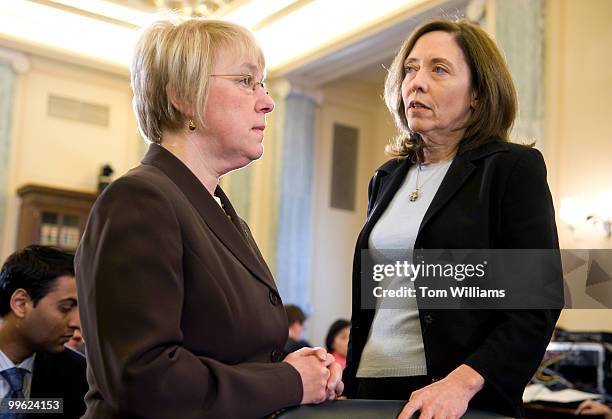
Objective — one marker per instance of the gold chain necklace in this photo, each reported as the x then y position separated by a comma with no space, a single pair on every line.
416,194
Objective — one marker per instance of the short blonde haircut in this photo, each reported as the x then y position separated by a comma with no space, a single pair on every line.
490,79
174,58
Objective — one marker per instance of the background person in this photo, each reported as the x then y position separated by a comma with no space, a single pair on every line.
180,313
76,341
336,341
455,182
296,319
38,305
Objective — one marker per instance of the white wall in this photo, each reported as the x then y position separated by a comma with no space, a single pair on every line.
579,121
62,153
335,231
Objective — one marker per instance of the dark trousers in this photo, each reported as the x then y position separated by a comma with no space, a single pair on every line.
390,388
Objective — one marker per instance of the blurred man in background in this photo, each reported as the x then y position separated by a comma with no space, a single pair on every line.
38,306
296,319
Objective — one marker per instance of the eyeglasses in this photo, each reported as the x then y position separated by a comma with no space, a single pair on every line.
246,80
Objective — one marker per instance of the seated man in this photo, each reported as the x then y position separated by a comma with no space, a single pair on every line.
296,319
38,306
76,342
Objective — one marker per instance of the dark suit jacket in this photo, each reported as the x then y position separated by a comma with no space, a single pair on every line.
60,375
180,313
492,197
293,345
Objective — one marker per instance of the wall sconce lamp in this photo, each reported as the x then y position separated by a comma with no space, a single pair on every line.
579,212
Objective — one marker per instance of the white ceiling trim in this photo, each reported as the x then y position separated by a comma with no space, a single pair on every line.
320,31
376,48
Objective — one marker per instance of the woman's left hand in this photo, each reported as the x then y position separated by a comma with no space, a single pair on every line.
447,398
335,386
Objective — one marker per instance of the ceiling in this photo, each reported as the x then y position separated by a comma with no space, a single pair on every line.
365,60
311,42
190,7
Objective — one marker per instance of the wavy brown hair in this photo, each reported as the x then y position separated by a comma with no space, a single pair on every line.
490,80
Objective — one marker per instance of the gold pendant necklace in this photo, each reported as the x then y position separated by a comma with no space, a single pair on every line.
416,194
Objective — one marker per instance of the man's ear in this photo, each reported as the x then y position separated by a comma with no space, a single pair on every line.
182,106
21,302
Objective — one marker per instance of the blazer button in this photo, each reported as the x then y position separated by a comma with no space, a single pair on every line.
428,319
276,356
274,298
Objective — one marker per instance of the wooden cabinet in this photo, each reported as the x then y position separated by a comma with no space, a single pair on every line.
51,216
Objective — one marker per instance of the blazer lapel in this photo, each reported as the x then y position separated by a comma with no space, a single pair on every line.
459,171
387,189
228,230
245,234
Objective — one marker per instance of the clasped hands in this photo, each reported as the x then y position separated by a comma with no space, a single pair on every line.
321,375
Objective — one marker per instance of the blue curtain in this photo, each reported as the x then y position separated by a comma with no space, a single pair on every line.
295,212
520,32
7,91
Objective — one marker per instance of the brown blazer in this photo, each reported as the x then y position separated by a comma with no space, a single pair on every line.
179,310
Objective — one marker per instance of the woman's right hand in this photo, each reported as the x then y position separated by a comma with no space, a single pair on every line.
311,364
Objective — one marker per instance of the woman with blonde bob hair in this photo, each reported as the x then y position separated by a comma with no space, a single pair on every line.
180,312
454,182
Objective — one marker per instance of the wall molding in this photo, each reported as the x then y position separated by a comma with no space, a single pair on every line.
17,60
282,88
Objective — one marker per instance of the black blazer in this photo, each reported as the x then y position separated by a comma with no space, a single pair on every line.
492,197
60,375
